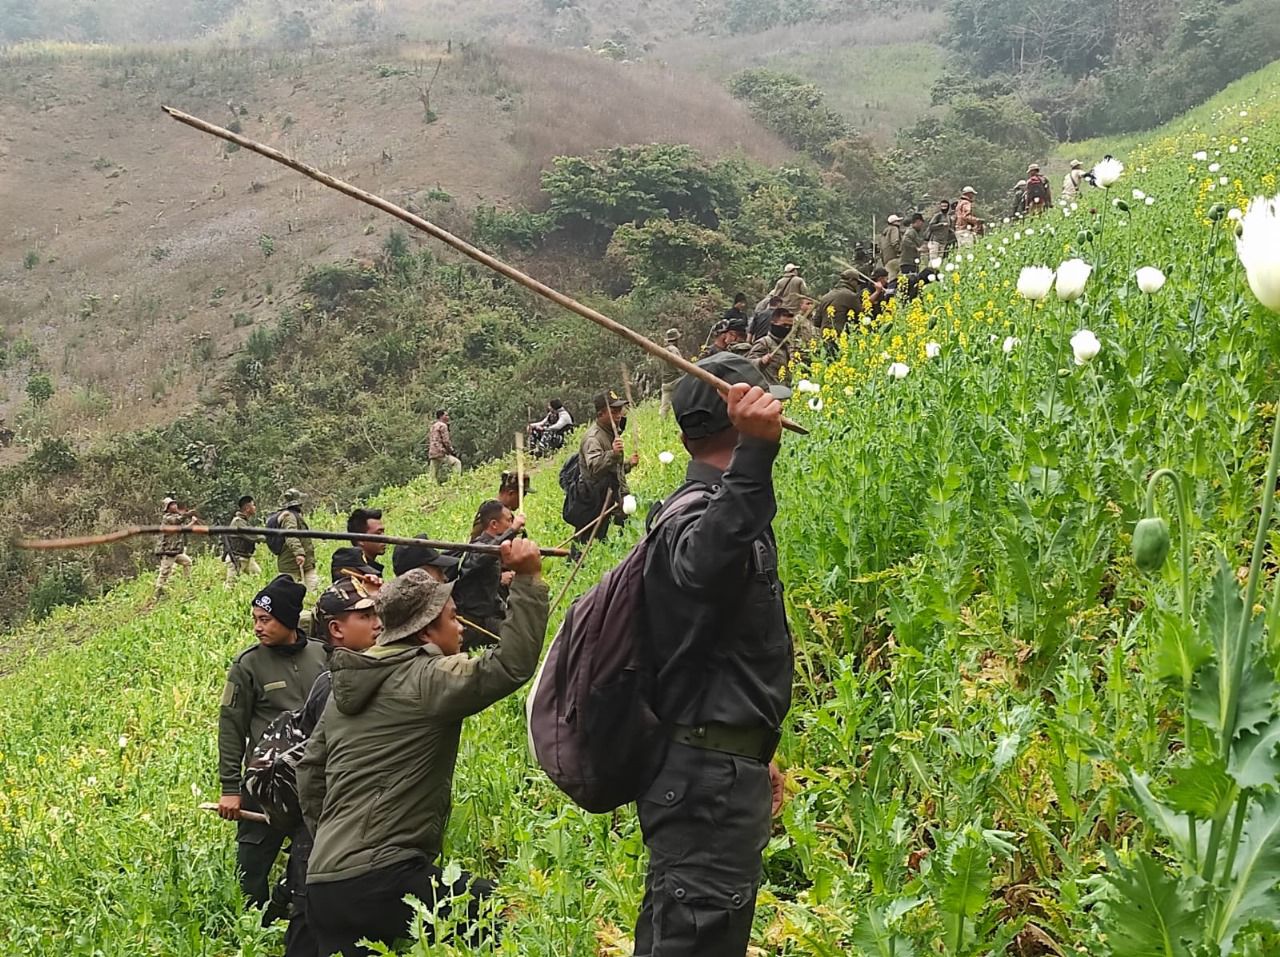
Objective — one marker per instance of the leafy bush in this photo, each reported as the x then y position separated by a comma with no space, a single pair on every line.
39,389
64,583
53,457
792,108
514,229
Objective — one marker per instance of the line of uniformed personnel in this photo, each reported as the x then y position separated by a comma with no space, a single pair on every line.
366,711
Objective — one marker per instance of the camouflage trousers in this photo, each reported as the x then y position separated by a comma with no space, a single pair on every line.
446,468
167,564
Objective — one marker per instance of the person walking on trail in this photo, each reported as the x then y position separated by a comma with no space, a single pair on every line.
360,557
670,374
791,288
1072,182
1018,204
718,631
376,779
240,548
264,681
772,353
967,224
1039,197
739,309
444,462
914,249
941,234
297,557
891,245
481,585
171,547
603,461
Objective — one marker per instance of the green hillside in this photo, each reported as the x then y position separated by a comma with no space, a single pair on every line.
1005,737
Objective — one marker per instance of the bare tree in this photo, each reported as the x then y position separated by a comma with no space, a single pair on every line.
423,88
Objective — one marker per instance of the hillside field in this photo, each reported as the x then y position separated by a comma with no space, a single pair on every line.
1006,738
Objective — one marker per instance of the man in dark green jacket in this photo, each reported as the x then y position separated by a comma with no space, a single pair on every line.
841,305
297,557
376,780
264,681
914,250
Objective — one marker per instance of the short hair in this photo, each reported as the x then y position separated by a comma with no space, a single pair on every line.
775,300
244,500
556,404
358,521
878,272
782,312
489,511
739,297
440,412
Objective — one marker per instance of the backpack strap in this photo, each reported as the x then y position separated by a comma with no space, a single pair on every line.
677,502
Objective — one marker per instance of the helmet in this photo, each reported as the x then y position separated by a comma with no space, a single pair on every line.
292,498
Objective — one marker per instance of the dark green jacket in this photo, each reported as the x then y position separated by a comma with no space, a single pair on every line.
913,251
242,546
376,782
262,683
778,349
599,463
840,306
287,561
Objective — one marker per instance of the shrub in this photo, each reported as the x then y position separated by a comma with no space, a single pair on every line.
65,583
792,108
31,259
39,389
53,457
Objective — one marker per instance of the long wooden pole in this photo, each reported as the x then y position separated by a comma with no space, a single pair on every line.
462,246
88,541
520,472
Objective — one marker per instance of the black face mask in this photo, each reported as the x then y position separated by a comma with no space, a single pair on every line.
621,422
779,331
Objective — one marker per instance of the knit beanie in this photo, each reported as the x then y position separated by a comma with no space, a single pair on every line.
282,600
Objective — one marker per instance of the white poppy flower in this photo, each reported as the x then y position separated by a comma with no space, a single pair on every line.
629,504
935,263
899,370
1233,148
1034,282
1200,156
1085,346
1244,139
1010,343
816,403
123,741
1259,249
1139,194
932,350
803,385
666,458
1223,181
1151,201
1072,276
1028,231
1244,112
1150,279
1017,236
951,267
1214,167
1234,214
1108,172
1075,207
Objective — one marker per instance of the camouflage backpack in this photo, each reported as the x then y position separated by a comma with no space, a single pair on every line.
270,776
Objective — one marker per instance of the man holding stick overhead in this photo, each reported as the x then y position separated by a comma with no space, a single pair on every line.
713,602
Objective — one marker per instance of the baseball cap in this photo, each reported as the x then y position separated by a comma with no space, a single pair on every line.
344,595
405,558
894,218
734,325
610,399
167,501
699,408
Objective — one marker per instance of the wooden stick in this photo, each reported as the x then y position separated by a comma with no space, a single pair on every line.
626,390
484,631
568,540
88,541
520,472
257,816
564,590
462,246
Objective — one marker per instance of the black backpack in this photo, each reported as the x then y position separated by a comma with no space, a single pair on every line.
274,542
582,500
592,726
271,774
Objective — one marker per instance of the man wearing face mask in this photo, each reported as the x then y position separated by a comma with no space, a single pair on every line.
602,457
772,353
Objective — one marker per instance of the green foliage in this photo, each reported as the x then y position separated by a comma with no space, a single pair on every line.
267,244
753,16
292,29
593,196
53,457
513,229
791,108
65,583
31,260
39,389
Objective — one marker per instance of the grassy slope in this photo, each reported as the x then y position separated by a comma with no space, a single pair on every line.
901,518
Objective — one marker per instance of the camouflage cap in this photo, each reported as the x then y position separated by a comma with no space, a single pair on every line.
168,500
409,603
292,497
344,595
672,335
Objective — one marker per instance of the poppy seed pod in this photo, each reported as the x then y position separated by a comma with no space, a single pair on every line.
1216,212
1151,544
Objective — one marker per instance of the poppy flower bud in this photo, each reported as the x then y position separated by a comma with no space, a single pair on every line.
1217,211
1151,544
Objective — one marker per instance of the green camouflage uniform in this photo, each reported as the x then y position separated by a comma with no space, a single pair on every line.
780,351
240,560
293,549
600,464
172,549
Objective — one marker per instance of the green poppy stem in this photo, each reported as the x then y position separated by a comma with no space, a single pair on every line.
1184,560
1239,652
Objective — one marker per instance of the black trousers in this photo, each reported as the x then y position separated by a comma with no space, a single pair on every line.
257,845
706,821
372,906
